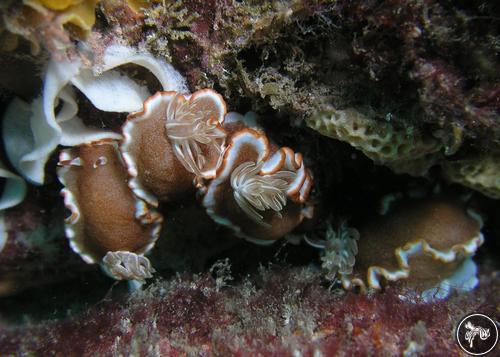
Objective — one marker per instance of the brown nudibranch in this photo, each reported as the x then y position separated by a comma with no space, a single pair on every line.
424,245
259,191
108,223
174,142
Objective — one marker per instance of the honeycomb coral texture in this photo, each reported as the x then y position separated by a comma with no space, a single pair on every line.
402,152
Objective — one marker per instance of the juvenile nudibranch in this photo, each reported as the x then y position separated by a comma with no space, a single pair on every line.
425,245
259,191
108,223
175,141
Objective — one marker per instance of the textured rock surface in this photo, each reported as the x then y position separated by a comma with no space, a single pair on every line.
36,251
281,310
434,62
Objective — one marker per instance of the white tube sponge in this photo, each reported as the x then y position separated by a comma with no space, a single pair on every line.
117,55
31,133
111,91
3,232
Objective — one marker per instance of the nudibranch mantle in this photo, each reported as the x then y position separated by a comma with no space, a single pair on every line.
174,141
193,122
105,215
258,190
423,245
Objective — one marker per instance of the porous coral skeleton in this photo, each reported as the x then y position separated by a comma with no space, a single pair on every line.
254,192
187,128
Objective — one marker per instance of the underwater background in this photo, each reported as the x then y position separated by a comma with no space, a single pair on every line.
285,178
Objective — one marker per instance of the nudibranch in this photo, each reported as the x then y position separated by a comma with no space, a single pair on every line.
108,224
259,191
425,245
174,143
339,250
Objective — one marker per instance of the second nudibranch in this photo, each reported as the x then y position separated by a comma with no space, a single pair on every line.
259,191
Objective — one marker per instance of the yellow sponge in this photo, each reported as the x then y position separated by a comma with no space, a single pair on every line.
481,174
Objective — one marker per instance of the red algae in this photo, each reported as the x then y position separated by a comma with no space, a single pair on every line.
281,311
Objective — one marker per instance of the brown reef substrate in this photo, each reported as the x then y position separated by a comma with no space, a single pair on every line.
281,310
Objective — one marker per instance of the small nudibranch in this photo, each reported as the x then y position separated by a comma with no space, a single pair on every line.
259,191
426,245
106,217
174,142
